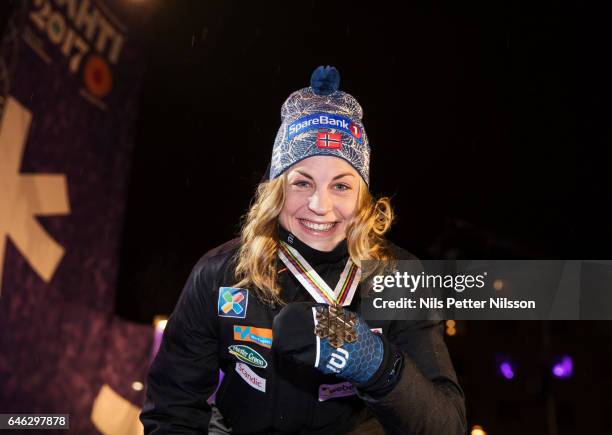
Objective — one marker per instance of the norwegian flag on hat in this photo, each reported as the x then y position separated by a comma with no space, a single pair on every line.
329,140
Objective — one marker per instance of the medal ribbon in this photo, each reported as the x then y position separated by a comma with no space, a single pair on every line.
315,285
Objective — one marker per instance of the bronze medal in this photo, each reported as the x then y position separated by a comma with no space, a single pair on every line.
333,322
336,324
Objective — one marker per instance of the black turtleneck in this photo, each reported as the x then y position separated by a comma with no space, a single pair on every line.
312,255
328,264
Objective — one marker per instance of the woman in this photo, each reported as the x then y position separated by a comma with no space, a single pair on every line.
251,306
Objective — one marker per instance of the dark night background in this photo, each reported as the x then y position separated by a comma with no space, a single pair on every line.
489,126
486,126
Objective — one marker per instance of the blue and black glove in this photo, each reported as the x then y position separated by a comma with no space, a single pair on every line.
294,338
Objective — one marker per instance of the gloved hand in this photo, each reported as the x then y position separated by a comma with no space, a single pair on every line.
294,338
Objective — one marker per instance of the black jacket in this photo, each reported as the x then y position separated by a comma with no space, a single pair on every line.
414,392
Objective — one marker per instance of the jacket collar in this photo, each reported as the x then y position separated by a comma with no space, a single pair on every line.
313,256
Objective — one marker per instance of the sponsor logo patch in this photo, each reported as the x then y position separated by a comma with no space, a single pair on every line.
248,355
329,140
331,391
355,131
338,360
232,302
261,336
250,377
325,120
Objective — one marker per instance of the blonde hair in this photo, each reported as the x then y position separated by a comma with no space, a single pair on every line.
256,259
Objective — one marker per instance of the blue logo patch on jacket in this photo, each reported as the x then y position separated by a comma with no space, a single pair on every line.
233,302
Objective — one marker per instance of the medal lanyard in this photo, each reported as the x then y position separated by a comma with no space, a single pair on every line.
314,284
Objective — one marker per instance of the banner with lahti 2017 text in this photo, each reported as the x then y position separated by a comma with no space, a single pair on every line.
70,74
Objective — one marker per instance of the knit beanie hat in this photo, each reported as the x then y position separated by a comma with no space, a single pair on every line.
321,121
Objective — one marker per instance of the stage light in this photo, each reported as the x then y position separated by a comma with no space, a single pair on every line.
451,328
137,386
563,367
160,323
506,368
498,285
477,430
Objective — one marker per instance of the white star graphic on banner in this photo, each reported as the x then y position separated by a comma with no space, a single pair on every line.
24,196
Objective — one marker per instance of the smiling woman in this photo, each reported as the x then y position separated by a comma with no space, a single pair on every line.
296,355
320,200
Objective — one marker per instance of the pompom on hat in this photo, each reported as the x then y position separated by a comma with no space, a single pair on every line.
321,120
